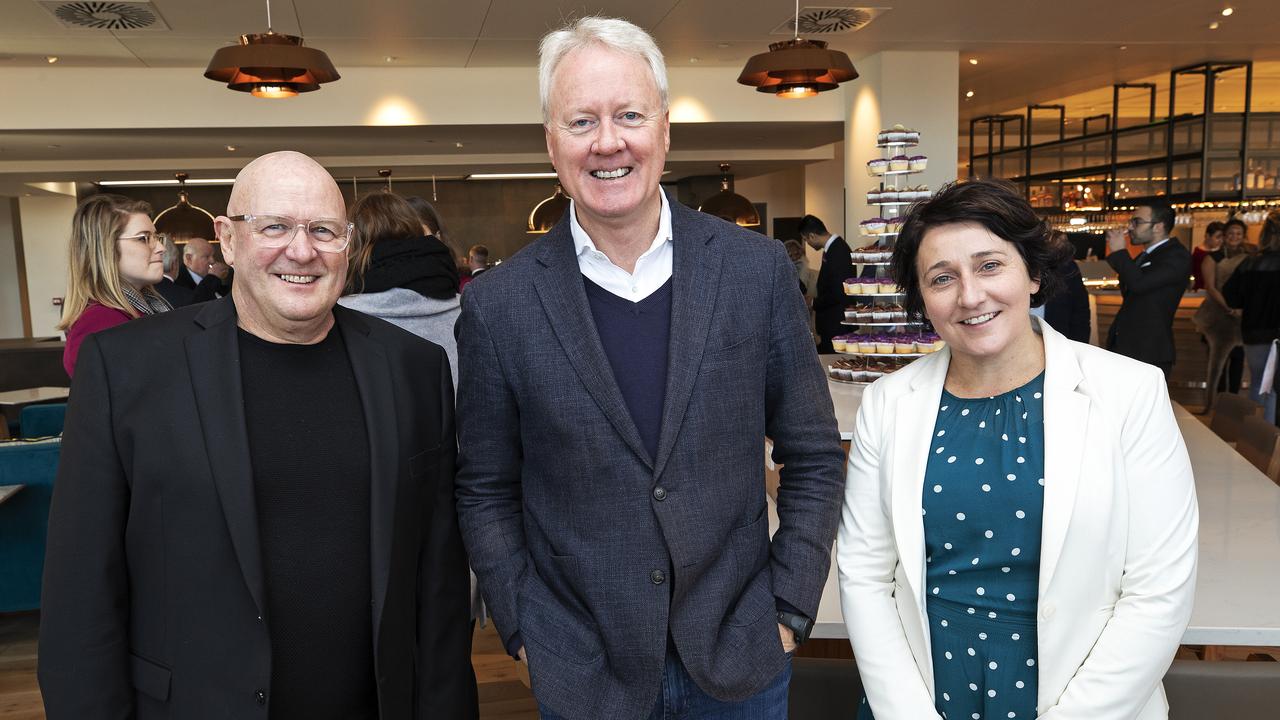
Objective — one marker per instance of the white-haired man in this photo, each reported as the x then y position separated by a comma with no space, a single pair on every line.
617,380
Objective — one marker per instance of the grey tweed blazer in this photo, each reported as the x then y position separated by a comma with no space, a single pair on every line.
596,553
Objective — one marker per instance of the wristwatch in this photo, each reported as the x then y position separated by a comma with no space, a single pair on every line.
800,625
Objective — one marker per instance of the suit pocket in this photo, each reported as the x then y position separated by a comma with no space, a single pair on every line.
561,628
738,351
149,678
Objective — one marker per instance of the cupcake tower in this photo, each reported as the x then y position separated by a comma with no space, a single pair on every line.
884,339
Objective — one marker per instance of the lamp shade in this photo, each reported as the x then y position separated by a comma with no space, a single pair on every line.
547,213
730,206
184,220
797,68
271,65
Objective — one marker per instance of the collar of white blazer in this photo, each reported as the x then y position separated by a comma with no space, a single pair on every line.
1065,412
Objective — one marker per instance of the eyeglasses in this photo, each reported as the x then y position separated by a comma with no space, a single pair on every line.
278,231
1139,221
147,237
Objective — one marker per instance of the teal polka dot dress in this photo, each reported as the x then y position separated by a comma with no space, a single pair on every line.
983,510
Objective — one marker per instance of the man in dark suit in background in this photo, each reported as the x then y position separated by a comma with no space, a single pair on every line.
1151,284
837,265
617,380
202,272
306,561
177,295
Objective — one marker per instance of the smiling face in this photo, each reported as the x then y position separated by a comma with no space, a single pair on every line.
284,294
976,291
1234,236
607,136
140,263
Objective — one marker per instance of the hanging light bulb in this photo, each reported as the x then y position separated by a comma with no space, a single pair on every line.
547,213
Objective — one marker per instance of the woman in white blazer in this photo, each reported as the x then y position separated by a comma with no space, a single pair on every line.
1018,536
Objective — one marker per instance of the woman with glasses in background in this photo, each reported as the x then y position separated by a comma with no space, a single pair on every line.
116,259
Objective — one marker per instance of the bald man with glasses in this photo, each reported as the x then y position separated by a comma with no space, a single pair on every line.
1151,284
305,562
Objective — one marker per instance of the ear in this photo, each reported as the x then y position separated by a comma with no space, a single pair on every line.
224,230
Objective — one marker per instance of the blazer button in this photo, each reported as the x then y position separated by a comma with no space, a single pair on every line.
261,697
658,577
1046,610
659,493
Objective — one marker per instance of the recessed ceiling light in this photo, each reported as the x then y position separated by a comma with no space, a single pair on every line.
390,58
51,59
973,61
969,94
53,147
1124,47
1213,25
231,148
693,59
1226,11
458,145
722,46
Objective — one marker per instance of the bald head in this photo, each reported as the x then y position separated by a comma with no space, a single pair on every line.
282,177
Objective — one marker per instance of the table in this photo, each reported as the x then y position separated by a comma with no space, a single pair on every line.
32,396
1237,586
8,491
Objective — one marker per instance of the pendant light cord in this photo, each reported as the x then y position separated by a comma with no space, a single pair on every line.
269,15
796,24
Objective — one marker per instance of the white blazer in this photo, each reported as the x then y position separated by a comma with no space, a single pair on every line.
1118,544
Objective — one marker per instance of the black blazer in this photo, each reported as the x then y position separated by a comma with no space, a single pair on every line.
153,586
829,300
211,287
1143,328
1068,311
591,549
177,295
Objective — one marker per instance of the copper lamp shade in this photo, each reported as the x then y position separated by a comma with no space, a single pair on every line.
797,68
730,206
271,65
184,220
547,213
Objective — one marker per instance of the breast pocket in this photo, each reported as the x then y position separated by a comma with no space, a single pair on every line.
736,352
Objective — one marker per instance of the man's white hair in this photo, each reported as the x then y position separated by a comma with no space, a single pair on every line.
612,33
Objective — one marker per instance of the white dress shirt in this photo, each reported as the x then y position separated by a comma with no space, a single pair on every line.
653,268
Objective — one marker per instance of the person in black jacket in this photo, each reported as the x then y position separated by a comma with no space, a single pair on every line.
837,265
1254,288
254,512
1151,284
1068,310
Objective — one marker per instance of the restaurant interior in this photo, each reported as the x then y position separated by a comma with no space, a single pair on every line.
1089,107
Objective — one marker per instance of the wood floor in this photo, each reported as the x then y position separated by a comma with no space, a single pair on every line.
502,694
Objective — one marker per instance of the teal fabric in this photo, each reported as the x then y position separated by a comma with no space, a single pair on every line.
38,421
24,519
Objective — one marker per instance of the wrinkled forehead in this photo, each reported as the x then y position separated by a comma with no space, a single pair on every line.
287,189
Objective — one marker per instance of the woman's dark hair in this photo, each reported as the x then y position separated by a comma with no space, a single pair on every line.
995,205
377,216
1238,223
1214,227
427,215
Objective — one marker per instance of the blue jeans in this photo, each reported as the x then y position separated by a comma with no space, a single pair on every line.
682,698
1256,357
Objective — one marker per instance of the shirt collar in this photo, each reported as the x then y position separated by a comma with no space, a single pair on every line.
830,240
1148,249
582,242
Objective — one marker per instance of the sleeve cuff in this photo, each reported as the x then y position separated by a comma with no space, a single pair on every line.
514,645
786,607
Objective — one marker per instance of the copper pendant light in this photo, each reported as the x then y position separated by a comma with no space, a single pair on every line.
547,213
730,206
797,68
270,65
184,220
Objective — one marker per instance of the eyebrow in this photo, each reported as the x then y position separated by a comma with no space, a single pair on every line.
975,256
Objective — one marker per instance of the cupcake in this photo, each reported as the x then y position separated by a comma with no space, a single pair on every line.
875,197
899,162
921,192
934,342
898,134
884,345
882,137
917,162
911,136
852,287
904,345
866,344
879,314
893,225
865,313
876,225
877,166
872,375
887,286
864,228
840,343
850,315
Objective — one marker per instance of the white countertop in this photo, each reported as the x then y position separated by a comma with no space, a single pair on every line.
1238,583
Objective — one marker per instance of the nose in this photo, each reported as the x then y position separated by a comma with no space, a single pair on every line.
971,292
303,250
608,141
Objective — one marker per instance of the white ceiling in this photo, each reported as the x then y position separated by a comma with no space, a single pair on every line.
1031,51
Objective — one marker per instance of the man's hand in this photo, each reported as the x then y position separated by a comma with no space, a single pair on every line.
788,639
1116,240
220,269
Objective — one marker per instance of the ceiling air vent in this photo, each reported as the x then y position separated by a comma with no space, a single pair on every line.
84,14
829,20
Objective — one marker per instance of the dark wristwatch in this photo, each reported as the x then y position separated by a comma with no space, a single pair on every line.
799,624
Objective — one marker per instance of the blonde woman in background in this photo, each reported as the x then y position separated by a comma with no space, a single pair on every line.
116,259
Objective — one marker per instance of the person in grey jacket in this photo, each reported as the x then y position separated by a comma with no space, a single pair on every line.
399,275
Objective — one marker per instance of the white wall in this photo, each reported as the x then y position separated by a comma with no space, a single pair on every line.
783,190
824,197
10,298
46,229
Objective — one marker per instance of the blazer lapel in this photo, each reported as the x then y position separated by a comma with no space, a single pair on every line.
917,413
213,357
695,282
1066,417
564,299
378,401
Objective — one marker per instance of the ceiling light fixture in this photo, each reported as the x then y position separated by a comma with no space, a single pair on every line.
1226,11
1213,25
51,59
973,61
270,65
547,213
969,94
231,148
730,206
797,68
184,218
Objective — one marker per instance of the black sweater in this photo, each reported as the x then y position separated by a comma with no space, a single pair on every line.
1255,288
